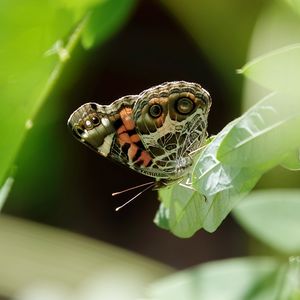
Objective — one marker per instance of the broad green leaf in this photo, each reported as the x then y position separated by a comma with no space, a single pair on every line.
272,216
180,210
163,214
292,161
215,190
28,70
223,185
230,166
263,135
279,70
232,279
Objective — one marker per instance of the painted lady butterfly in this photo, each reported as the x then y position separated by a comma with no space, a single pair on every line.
156,133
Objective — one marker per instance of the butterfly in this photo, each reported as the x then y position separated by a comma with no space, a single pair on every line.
156,133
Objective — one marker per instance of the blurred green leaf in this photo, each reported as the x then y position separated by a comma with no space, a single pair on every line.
36,257
277,26
232,279
295,5
290,288
279,70
292,161
264,134
105,20
272,216
26,69
35,47
209,25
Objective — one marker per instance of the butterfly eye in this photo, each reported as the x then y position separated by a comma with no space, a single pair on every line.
155,110
95,120
184,106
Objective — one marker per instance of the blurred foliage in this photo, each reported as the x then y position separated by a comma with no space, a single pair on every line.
47,43
258,278
275,222
36,48
222,30
218,280
39,262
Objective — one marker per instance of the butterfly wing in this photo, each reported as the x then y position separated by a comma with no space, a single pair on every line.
154,133
103,127
171,120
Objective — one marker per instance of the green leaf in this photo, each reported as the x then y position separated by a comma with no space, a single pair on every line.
230,166
263,135
36,44
272,216
215,191
162,216
106,20
232,279
180,210
28,71
223,185
278,70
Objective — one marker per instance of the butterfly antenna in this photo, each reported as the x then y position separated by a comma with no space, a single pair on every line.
137,195
132,188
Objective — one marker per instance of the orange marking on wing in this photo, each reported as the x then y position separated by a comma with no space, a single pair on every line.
145,158
126,116
123,136
132,151
121,129
135,138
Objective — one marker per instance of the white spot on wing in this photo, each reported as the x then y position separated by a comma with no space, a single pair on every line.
105,122
104,149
